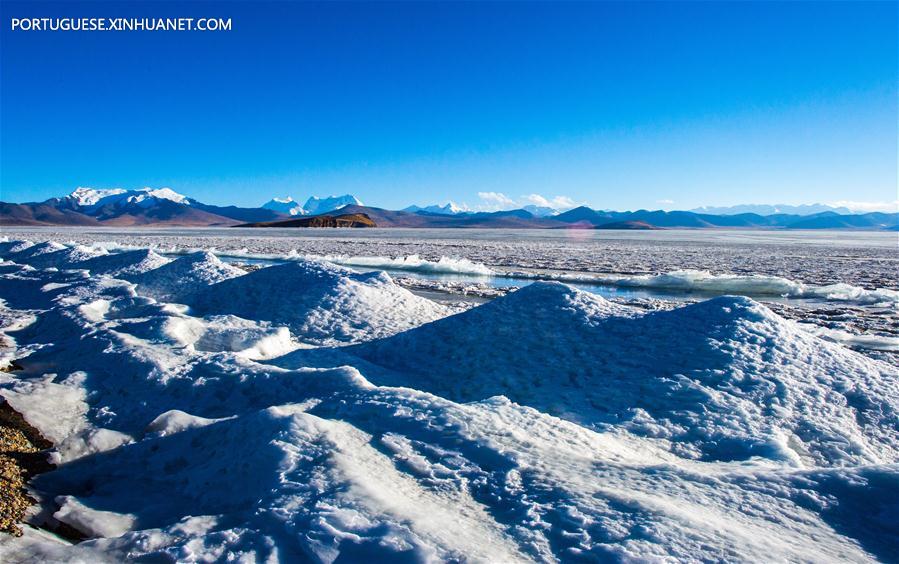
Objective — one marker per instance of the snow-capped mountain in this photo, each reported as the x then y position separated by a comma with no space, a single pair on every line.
541,211
450,208
315,205
143,206
86,199
286,205
768,209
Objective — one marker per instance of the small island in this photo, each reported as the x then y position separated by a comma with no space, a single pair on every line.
344,220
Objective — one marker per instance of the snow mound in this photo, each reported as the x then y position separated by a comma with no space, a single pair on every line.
12,247
725,379
321,303
221,333
180,279
65,258
124,264
33,251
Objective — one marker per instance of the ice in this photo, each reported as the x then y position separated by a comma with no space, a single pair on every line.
757,285
871,342
548,424
412,263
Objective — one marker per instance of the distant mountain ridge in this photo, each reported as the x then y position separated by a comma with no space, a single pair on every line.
768,209
450,208
163,206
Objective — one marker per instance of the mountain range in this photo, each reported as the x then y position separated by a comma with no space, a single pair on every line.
165,207
767,209
313,206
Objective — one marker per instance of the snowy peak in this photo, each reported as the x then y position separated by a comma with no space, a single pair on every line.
450,208
313,206
286,205
316,206
88,199
84,197
541,211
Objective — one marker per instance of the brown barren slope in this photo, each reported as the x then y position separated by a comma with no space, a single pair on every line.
343,220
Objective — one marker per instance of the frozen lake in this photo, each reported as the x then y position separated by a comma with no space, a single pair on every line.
862,258
844,281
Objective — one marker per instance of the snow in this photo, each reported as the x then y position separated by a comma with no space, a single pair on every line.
31,252
86,197
125,264
541,211
285,205
315,205
546,425
89,199
714,389
64,258
321,303
449,208
180,279
8,248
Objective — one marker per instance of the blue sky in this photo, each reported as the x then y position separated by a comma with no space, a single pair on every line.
616,105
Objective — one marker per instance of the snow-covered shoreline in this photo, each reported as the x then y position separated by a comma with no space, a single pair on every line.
304,411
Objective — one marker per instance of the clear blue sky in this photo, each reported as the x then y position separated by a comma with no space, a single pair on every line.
617,105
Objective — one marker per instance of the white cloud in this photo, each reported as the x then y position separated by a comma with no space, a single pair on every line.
665,202
496,198
557,202
537,200
499,201
496,201
867,206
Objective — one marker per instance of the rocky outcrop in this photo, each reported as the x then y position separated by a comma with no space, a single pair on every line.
344,220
